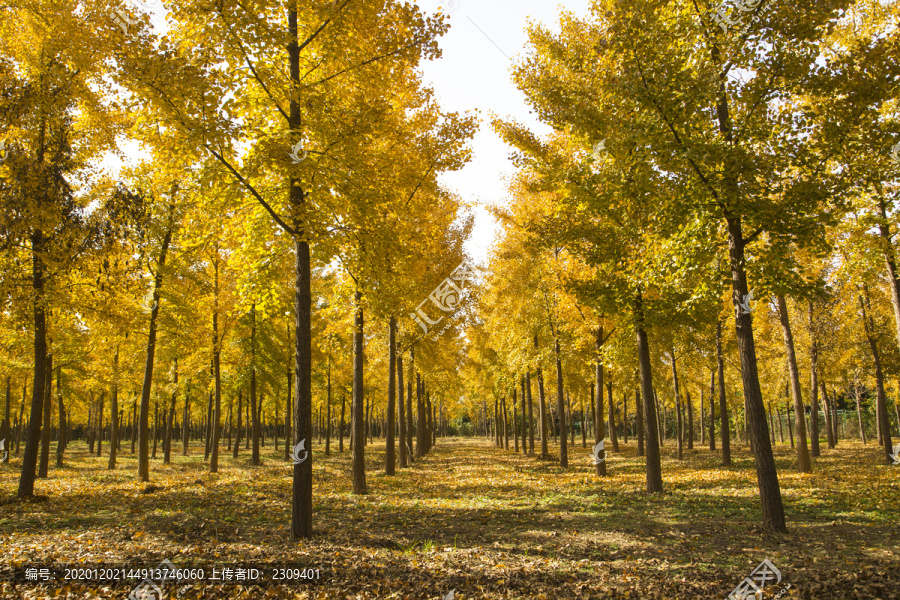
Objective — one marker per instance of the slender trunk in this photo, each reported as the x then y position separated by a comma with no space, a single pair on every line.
186,423
155,419
359,460
560,406
214,463
5,433
301,503
207,428
599,433
515,406
690,419
144,424
63,423
29,462
288,403
804,465
679,433
524,417
341,437
167,445
859,416
530,413
254,412
881,414
654,470
48,420
114,409
712,410
409,415
583,426
420,419
702,419
612,416
401,413
328,423
20,422
624,417
814,385
639,404
724,425
239,428
134,425
389,467
543,410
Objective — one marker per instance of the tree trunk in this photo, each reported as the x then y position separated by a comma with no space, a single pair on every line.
599,433
530,413
5,433
624,416
48,420
524,417
804,464
409,414
61,439
167,444
612,416
401,413
114,410
640,422
389,467
881,413
20,422
543,410
679,433
515,405
814,385
186,424
654,470
155,421
359,460
560,406
829,426
26,480
690,419
724,424
328,415
239,428
254,412
144,424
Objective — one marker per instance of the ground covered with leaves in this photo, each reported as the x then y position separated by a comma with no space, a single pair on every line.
469,518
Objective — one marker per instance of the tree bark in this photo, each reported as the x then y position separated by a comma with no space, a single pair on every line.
524,416
804,465
48,420
5,433
29,462
61,439
114,409
724,425
167,444
254,412
690,419
612,416
560,406
654,470
144,424
814,385
389,467
239,429
599,433
409,414
530,413
359,459
881,413
679,433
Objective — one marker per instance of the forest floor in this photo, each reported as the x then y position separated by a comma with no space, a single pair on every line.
468,518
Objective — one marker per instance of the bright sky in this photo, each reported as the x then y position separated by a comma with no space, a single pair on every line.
486,37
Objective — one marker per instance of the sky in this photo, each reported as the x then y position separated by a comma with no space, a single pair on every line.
486,38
